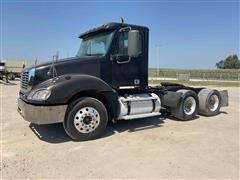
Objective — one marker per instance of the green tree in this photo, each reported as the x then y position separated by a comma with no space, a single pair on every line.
220,64
231,62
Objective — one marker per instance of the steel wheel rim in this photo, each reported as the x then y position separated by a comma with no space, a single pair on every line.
86,120
189,105
213,102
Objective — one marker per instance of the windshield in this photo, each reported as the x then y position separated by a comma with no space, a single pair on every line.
95,45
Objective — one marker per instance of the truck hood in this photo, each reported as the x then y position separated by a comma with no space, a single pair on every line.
60,61
77,65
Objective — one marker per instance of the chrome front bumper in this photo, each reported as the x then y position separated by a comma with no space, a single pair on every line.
41,114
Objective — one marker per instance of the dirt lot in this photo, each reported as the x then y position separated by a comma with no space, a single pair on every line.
145,148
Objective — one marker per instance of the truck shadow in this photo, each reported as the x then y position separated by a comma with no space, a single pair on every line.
54,133
176,119
222,112
7,83
51,133
134,125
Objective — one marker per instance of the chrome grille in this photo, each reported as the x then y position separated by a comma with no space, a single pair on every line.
24,80
27,78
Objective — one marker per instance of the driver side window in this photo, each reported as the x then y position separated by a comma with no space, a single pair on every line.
123,43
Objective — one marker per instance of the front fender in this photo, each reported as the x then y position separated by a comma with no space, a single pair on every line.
66,86
69,85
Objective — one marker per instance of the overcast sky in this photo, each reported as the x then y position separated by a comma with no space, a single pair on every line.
192,34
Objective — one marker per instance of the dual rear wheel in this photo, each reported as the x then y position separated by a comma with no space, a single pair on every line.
188,106
207,102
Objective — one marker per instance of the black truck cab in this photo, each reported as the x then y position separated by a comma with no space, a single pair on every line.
106,80
104,54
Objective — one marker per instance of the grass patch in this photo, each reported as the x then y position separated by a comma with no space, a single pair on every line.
198,83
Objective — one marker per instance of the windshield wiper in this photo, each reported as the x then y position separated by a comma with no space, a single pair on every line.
87,54
99,54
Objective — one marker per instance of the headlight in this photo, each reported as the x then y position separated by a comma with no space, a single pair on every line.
40,95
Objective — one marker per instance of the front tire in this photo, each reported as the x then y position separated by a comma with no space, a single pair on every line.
86,119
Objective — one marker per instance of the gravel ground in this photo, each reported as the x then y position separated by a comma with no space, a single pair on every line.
157,147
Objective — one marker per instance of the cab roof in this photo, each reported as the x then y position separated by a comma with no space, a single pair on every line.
109,26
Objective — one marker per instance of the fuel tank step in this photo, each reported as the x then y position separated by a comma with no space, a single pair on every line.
136,116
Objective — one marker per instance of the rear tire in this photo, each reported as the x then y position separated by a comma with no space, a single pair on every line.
86,119
209,102
188,106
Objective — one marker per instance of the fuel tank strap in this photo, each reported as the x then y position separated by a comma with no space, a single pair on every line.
128,107
154,105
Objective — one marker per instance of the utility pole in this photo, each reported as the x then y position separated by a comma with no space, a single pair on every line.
158,58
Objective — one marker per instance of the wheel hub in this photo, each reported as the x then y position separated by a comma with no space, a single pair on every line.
86,120
189,105
213,102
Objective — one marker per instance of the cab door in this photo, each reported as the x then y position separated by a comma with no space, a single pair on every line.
126,71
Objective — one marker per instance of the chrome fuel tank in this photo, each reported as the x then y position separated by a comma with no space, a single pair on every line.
139,106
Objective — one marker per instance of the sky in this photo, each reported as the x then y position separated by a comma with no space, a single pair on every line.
191,34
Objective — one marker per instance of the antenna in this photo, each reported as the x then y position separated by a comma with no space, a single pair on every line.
52,70
121,20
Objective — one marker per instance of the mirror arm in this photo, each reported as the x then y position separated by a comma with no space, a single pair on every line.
111,57
125,28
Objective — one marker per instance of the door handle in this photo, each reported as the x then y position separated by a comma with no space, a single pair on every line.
123,62
118,60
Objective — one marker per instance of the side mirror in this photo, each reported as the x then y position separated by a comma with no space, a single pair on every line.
134,43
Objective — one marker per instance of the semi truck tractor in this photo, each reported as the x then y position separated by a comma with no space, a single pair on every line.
107,81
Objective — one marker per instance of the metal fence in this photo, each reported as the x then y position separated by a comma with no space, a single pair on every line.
227,75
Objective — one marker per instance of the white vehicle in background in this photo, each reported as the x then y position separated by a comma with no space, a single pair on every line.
2,70
12,69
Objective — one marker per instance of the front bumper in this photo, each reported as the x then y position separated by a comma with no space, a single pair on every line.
41,114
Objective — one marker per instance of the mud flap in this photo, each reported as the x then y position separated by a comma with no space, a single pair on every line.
224,98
